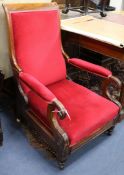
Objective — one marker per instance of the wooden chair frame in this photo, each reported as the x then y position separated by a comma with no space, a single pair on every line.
55,137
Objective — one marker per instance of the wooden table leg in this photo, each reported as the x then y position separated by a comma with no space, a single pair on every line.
86,5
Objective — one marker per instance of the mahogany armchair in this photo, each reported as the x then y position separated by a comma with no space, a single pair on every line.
61,114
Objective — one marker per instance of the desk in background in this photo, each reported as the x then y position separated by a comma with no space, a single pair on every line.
101,36
104,36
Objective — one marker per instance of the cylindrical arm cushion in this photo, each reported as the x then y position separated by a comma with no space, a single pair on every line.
90,67
37,86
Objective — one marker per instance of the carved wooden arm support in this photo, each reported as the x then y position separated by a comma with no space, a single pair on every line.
112,81
59,133
62,112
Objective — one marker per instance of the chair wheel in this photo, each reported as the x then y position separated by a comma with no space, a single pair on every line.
102,14
65,10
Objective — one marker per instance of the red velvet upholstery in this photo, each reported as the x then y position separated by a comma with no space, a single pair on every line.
38,53
88,111
37,87
101,71
37,44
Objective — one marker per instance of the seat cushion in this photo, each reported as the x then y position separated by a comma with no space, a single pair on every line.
87,110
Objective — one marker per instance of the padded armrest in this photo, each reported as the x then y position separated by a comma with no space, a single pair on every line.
90,67
37,86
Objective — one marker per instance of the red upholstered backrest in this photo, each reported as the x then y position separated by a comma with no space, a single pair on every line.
37,44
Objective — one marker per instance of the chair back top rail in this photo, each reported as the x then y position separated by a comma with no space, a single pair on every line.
28,6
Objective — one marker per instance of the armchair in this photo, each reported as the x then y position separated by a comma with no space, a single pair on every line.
61,114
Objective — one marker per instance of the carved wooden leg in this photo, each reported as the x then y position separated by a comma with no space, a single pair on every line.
61,159
62,155
61,165
110,131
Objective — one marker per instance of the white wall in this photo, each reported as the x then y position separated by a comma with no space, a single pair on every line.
119,4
